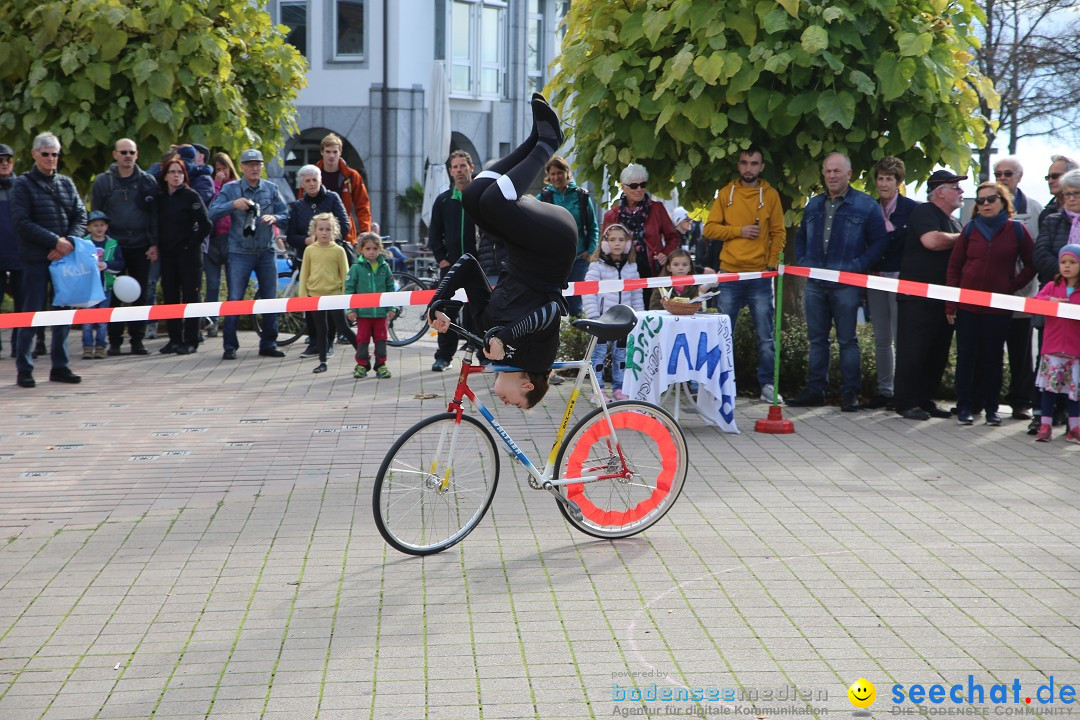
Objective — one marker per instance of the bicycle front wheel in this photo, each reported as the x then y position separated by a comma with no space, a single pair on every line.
435,484
654,450
410,325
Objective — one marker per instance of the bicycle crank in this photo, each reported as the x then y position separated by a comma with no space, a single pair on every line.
570,505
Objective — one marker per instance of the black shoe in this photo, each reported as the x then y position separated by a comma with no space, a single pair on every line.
992,418
439,365
879,401
320,368
39,349
807,399
936,412
64,375
272,352
183,350
915,413
1021,413
309,352
849,402
1033,426
964,417
167,349
228,355
546,121
137,348
25,380
113,350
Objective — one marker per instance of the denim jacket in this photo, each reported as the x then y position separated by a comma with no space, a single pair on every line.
270,202
858,237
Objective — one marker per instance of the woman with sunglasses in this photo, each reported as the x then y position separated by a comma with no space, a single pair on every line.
654,235
985,258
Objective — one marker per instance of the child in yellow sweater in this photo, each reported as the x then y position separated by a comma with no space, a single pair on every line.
323,273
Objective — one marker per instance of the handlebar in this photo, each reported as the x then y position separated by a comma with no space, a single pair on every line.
472,339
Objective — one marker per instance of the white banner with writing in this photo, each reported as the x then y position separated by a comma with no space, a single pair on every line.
666,349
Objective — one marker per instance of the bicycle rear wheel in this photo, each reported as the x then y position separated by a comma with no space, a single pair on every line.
654,450
291,325
435,484
410,325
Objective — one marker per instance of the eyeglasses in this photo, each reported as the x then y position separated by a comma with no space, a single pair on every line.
1003,173
1053,176
987,200
635,186
48,154
128,152
1070,195
6,159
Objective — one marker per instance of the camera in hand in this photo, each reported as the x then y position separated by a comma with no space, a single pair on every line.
251,219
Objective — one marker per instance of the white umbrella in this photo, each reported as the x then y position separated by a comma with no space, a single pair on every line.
436,179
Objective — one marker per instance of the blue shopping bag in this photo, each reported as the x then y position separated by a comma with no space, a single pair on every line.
75,277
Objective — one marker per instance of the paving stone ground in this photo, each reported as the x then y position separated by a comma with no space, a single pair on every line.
182,537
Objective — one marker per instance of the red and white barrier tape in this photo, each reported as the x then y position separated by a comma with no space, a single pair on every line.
327,302
590,287
940,292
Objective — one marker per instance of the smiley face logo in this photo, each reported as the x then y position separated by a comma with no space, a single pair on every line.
862,693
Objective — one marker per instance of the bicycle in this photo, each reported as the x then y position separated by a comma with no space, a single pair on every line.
291,325
616,473
409,324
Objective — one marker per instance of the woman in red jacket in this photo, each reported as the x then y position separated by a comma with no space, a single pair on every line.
993,254
654,235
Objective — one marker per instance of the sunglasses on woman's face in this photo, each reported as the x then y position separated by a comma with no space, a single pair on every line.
987,200
635,186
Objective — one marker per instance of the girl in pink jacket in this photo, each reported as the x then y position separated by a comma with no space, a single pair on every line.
1059,371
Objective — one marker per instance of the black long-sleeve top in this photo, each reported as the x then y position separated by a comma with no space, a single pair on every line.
182,221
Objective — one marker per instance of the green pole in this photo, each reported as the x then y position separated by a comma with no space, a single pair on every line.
776,333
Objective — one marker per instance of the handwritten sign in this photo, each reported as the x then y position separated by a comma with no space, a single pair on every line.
666,349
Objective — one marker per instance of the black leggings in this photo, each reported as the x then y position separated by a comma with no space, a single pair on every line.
323,319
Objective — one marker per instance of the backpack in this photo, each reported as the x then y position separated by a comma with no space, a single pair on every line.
586,222
146,190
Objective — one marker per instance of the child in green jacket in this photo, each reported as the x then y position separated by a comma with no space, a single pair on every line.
370,274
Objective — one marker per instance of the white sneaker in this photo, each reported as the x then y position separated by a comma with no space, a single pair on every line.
767,393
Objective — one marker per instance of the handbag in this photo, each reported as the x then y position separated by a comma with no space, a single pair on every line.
75,277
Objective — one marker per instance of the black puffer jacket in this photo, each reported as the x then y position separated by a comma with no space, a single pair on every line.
45,208
307,207
1053,235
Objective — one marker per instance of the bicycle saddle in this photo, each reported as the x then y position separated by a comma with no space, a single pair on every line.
615,324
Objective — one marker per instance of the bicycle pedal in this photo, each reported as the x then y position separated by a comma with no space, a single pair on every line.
571,506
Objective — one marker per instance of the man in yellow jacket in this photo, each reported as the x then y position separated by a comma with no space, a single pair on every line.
748,220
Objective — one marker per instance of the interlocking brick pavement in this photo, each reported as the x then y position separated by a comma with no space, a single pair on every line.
182,537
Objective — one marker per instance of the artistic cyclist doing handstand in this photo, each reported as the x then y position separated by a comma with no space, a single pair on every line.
520,316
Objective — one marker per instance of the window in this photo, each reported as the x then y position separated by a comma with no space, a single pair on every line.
534,49
293,14
478,47
349,29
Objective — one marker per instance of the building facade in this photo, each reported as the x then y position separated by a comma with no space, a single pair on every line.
370,75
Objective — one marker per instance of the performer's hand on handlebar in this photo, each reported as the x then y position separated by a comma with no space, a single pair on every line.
496,350
441,323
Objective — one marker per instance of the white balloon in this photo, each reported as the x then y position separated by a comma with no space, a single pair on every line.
126,289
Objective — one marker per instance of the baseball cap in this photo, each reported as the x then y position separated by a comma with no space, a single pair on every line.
943,177
187,152
97,215
6,150
679,215
250,155
202,149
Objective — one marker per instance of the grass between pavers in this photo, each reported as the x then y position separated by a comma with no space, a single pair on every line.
70,610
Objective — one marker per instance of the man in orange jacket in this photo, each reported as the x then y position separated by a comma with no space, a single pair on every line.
748,220
347,183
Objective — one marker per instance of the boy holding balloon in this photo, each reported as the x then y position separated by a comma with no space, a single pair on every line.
110,263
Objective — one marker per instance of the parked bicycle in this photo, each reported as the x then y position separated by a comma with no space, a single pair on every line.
616,473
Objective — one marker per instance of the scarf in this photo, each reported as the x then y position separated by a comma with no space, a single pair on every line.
988,227
1020,202
635,220
1074,231
6,183
887,210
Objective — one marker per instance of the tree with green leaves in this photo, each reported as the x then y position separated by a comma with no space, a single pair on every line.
681,85
218,72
